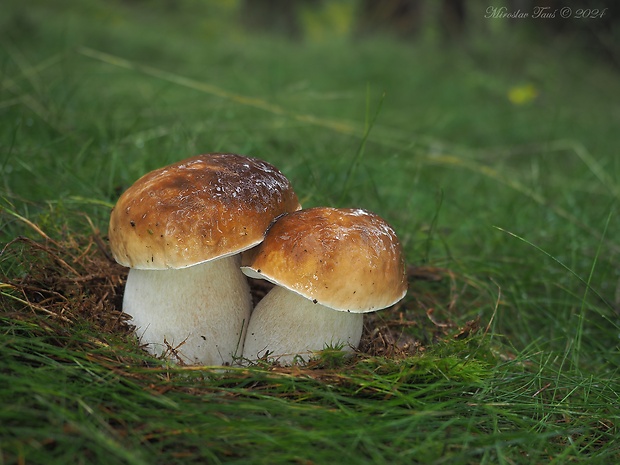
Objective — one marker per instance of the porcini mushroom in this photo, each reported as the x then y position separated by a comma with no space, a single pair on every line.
181,229
330,266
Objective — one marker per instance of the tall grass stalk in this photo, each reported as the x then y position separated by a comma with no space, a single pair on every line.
368,125
575,346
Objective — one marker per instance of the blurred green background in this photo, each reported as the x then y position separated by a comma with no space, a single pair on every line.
486,133
447,118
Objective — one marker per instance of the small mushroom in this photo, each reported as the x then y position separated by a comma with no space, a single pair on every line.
181,230
330,266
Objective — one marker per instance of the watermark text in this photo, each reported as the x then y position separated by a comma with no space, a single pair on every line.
544,12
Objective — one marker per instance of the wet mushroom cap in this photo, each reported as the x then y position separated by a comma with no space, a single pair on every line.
205,207
345,259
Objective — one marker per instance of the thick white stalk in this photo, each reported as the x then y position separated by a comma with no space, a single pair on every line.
201,312
285,325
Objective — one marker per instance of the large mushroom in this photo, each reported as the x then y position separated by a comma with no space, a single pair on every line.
181,230
330,266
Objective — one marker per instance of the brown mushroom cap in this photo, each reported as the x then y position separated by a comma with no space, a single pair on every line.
345,259
198,209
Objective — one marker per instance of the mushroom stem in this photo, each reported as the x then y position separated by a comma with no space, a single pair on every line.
285,325
197,315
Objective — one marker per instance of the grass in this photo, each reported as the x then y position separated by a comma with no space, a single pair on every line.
505,349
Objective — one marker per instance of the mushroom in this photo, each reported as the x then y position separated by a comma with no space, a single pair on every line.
181,230
330,266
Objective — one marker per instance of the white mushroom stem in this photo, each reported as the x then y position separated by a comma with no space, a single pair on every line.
285,324
196,315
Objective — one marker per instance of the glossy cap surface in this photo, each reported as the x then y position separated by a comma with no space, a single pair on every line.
345,259
198,209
